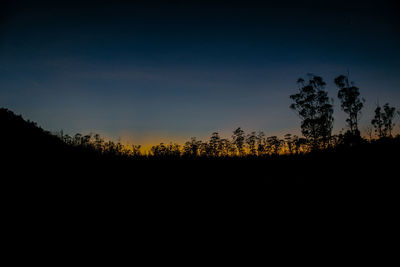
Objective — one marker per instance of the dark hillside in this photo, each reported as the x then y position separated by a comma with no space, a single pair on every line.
37,159
77,192
20,138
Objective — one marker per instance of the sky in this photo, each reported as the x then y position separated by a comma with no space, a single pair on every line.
160,71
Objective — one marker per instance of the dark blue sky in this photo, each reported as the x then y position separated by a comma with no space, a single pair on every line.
164,72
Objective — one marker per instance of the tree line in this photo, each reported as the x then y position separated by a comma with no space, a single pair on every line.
311,103
315,109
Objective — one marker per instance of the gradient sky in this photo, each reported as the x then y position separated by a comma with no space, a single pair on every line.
165,72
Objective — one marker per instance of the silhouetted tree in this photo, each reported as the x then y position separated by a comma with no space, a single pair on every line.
300,144
204,149
337,139
238,140
162,150
85,140
157,150
315,109
289,143
251,141
388,116
377,121
173,150
383,120
368,131
136,150
226,147
67,139
98,143
274,145
214,145
351,103
296,144
192,147
77,139
261,143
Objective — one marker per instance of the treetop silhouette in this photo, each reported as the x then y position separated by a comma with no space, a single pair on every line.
311,103
315,109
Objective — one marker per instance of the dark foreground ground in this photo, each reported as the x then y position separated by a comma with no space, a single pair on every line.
34,161
64,202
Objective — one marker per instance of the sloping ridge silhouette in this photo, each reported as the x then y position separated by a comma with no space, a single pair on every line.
38,164
24,138
39,160
46,180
